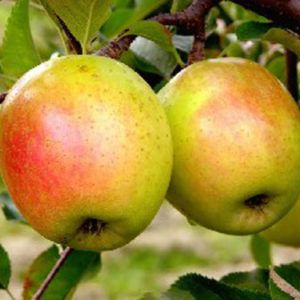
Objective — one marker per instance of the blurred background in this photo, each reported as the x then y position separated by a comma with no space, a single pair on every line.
171,246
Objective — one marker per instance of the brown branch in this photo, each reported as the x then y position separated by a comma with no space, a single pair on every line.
60,262
198,50
191,19
285,13
115,48
292,74
2,97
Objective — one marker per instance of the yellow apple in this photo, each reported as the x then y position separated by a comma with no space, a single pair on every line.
86,151
236,139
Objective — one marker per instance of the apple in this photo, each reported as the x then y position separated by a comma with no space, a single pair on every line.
85,151
2,186
287,230
236,141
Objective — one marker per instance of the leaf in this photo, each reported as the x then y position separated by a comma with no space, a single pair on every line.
252,30
152,58
83,18
126,15
119,20
257,280
234,49
122,3
176,294
266,31
5,269
285,281
155,32
287,39
18,52
178,5
204,288
10,211
145,7
277,67
74,269
183,43
261,251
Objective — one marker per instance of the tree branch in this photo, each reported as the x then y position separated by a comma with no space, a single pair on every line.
115,48
285,13
60,262
191,19
292,73
198,50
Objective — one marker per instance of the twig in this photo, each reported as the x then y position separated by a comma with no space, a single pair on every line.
115,48
191,20
198,50
285,13
60,262
2,97
10,294
292,73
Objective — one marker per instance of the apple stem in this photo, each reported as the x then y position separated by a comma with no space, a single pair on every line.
292,74
60,262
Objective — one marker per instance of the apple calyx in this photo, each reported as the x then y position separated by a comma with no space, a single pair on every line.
257,202
92,226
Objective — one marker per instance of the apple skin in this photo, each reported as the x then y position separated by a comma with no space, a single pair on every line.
236,141
287,230
86,151
2,186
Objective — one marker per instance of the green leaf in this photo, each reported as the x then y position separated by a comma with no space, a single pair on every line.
145,7
204,288
183,43
252,30
18,53
123,3
178,5
5,269
287,39
74,269
155,32
176,294
257,280
261,251
277,67
234,49
83,18
266,31
285,281
124,16
149,57
119,20
10,211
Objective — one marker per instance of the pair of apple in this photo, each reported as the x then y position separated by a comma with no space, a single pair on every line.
87,155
